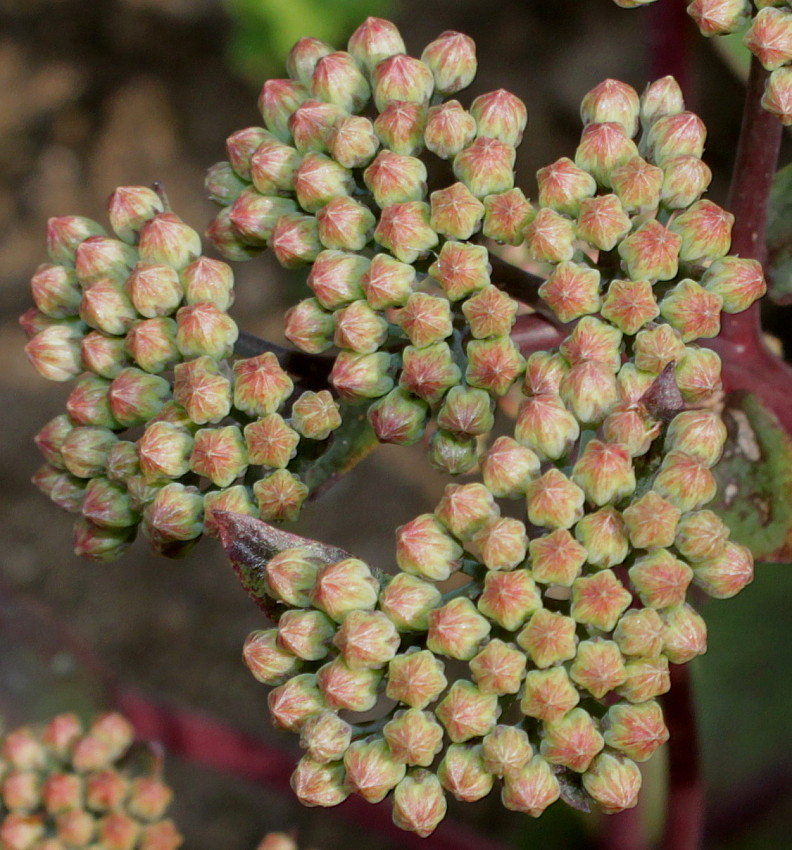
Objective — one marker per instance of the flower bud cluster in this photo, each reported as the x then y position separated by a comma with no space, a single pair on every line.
140,322
567,618
393,274
65,786
768,37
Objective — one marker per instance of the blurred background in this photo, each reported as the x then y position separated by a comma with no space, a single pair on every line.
99,94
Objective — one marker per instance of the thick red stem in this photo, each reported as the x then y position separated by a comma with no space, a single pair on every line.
668,30
623,831
685,805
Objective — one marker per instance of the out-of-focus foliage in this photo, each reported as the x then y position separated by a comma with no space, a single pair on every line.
264,30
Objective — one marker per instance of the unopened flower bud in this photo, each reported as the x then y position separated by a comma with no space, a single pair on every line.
451,453
415,678
562,185
306,634
343,587
739,282
727,573
401,77
315,415
548,638
776,99
88,404
705,229
295,240
164,451
505,750
277,101
507,468
640,632
651,251
636,730
398,418
500,115
150,343
637,184
102,258
452,59
506,215
407,601
235,499
685,635
348,689
100,544
419,803
456,213
337,79
260,384
271,442
162,835
268,662
613,782
325,737
54,352
362,375
65,490
317,784
614,101
544,373
219,454
352,141
426,319
374,40
227,240
599,600
466,412
685,179
651,521
78,827
500,544
222,184
85,449
387,282
335,278
682,134
531,789
463,774
461,269
602,221
660,579
423,548
64,235
310,124
395,178
701,536
293,702
429,372
345,224
556,558
309,326
367,639
55,291
604,536
572,741
241,145
548,694
405,231
486,166
466,712
154,289
660,98
280,496
605,472
49,440
106,307
107,504
136,397
494,364
770,37
414,737
654,349
174,514
202,328
572,291
449,129
550,236
317,180
400,127
371,770
253,215
272,167
129,208
498,668
167,239
699,433
61,792
685,481
630,304
509,598
456,629
698,374
603,148
21,791
553,501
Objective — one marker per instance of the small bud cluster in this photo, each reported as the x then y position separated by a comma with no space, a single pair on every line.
567,619
393,275
768,37
62,786
140,321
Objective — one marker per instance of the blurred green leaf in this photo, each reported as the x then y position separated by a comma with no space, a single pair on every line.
265,30
734,53
779,237
755,476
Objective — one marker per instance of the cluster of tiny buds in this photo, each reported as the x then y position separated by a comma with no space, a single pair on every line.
398,288
567,621
63,786
141,322
768,37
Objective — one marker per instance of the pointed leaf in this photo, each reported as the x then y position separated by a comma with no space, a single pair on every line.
250,543
572,791
755,477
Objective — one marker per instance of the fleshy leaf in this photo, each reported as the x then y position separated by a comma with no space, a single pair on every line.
754,478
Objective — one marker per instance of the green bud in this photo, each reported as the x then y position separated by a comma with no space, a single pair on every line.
64,235
449,129
705,229
700,536
424,549
164,451
548,638
486,166
452,59
175,514
651,252
306,634
260,384
531,789
367,639
603,148
394,178
325,737
374,40
151,344
55,291
106,504
660,98
219,454
277,101
415,678
614,782
345,224
572,741
557,558
456,629
253,215
562,186
506,215
202,389
418,803
651,521
167,239
107,308
776,96
463,774
550,236
310,124
315,415
129,208
226,238
637,184
507,468
272,168
414,737
343,587
605,472
400,77
685,179
405,231
308,326
452,454
358,328
506,750
682,134
428,372
604,536
271,442
352,141
371,771
295,240
361,375
614,101
222,185
572,291
338,80
685,634
318,179
398,418
546,426
739,282
235,500
136,397
466,412
85,449
345,688
456,213
280,496
509,598
100,544
400,127
319,784
466,712
407,601
88,404
102,258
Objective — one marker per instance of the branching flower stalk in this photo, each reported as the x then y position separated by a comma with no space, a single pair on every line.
526,654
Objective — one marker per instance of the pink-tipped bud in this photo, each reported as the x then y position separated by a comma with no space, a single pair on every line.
424,549
461,269
310,124
272,168
55,291
572,291
494,364
202,389
222,183
682,134
562,186
705,229
106,307
202,328
401,77
280,496
464,508
54,352
241,145
367,639
338,80
548,638
271,442
315,415
162,835
407,601
414,737
698,375
429,372
550,237
553,501
260,384
646,677
463,774
335,278
253,215
149,797
604,536
506,215
572,741
640,632
164,451
603,148
685,481
498,668
136,397
651,521
426,319
306,634
456,213
129,208
295,240
701,536
61,792
345,224
452,454
78,827
415,678
398,418
387,282
374,40
419,803
317,784
88,404
637,184
343,587
486,166
727,573
509,598
720,17
361,375
235,499
175,514
456,629
318,179
49,440
268,662
500,115
85,450
605,472
656,348
777,98
770,37
630,304
466,412
699,433
303,56
167,239
219,454
452,60
308,326
66,233
466,712
500,544
531,789
739,282
660,98
151,344
227,240
556,558
107,504
400,127
636,730
371,770
405,231
599,600
293,702
277,101
602,221
348,689
660,579
613,101
613,782
685,179
325,737
685,634
449,129
651,251
506,750
352,142
395,178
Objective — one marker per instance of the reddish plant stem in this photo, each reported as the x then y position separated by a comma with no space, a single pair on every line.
623,831
685,804
668,30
